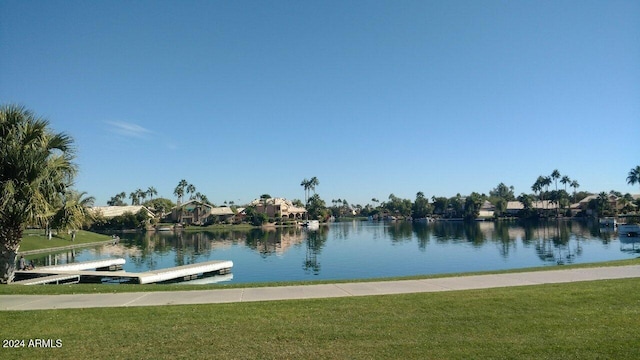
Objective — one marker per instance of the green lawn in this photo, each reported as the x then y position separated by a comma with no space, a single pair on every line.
37,240
587,320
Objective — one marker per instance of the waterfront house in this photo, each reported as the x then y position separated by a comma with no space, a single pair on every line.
194,212
487,210
514,207
109,212
279,207
191,212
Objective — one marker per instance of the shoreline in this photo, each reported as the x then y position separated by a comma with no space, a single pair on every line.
62,248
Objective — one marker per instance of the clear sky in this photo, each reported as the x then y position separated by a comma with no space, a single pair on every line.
242,98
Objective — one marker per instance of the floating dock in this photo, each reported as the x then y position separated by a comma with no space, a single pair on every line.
51,279
110,270
106,264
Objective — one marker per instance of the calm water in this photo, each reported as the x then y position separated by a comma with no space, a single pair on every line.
358,250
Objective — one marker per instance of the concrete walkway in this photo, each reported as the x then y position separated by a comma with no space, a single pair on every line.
39,302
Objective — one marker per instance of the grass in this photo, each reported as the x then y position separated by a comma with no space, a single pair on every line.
586,320
36,240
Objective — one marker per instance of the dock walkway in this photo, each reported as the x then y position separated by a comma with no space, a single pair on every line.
111,268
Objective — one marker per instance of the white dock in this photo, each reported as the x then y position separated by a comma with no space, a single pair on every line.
86,265
52,274
51,279
186,272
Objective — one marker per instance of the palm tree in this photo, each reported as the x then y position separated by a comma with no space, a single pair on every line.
151,191
565,180
141,196
135,200
191,189
634,176
575,185
555,175
309,185
537,186
603,203
546,181
179,190
74,213
35,169
305,184
117,200
313,183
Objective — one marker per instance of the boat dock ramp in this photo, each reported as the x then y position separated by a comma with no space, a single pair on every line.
110,270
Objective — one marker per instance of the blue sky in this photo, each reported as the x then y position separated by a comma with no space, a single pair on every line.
242,98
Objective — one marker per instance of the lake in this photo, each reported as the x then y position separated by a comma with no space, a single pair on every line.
362,250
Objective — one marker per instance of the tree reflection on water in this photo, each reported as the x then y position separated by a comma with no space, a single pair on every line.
366,249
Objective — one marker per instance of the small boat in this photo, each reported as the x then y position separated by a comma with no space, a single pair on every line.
608,222
311,224
629,230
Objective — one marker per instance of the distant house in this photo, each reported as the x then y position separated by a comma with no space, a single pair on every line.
109,212
514,207
487,210
279,207
199,213
224,213
615,202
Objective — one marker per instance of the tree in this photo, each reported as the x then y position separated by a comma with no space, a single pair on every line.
575,185
191,189
313,183
503,191
135,200
398,206
472,206
546,181
160,206
634,176
141,196
440,205
253,217
180,189
74,213
537,186
555,175
151,191
316,207
565,180
309,185
421,207
375,200
117,200
603,206
526,201
35,169
263,200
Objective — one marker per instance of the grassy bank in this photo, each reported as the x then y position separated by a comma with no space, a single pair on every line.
37,240
577,321
99,288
